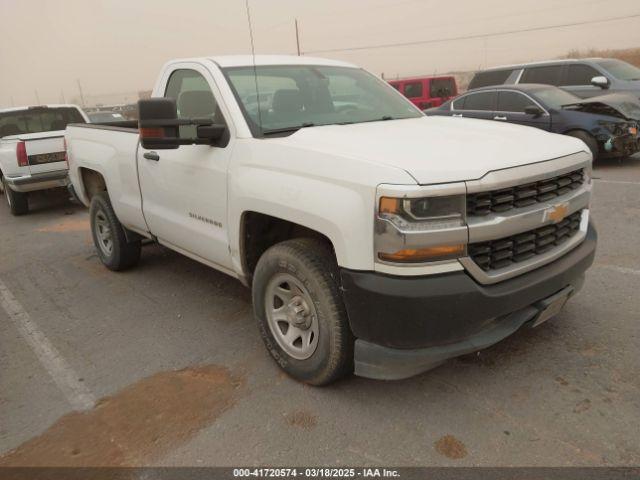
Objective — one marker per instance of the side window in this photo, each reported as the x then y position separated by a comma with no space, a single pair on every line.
458,103
513,102
441,87
480,101
194,99
578,74
413,89
487,79
549,75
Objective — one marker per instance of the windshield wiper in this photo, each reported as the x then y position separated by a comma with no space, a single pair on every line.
274,131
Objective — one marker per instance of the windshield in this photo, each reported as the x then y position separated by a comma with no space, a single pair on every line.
286,98
620,70
34,120
555,97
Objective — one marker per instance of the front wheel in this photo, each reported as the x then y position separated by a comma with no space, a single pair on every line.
109,237
300,311
18,201
588,139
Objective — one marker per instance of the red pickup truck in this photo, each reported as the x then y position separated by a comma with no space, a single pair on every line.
427,92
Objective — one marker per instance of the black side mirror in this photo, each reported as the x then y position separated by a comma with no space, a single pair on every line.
158,123
533,110
214,133
159,127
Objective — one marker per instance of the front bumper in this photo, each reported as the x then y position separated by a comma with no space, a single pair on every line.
38,181
621,146
407,325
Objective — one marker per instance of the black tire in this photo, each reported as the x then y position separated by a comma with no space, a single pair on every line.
588,139
18,201
312,264
122,254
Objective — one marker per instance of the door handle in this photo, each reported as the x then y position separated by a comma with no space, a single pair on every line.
151,156
456,115
499,118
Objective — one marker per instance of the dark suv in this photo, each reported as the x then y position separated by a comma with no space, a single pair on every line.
585,78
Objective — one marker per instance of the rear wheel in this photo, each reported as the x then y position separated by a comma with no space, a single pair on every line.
588,139
115,252
18,201
300,311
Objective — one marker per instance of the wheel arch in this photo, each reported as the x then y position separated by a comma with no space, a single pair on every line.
574,128
260,231
91,183
597,143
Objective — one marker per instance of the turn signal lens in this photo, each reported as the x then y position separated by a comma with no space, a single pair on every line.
152,132
409,255
389,205
21,153
66,154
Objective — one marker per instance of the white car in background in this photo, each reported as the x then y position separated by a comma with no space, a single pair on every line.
32,150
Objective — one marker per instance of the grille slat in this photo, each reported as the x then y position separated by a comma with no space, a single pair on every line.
501,253
483,203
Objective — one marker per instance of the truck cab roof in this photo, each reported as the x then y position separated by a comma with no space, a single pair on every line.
224,61
30,107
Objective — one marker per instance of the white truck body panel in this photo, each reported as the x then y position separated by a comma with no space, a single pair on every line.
112,154
436,149
324,178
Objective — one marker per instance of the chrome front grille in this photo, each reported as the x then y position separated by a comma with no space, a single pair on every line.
504,252
483,203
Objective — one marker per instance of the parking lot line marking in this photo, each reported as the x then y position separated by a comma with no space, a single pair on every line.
623,182
78,395
616,268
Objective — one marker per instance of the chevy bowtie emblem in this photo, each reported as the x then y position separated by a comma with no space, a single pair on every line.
556,213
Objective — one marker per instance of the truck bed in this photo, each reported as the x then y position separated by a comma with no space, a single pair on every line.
111,150
124,125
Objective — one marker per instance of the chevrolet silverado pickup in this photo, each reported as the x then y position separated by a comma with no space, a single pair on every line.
375,240
32,153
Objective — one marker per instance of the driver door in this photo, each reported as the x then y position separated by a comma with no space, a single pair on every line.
511,108
184,190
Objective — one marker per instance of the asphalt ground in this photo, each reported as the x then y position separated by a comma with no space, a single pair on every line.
163,365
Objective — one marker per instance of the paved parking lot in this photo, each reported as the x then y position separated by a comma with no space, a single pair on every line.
164,365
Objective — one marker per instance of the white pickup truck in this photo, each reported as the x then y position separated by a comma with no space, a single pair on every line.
375,239
32,153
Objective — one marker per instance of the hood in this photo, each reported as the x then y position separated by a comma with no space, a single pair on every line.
436,149
622,105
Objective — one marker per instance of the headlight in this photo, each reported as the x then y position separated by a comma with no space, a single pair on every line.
427,212
617,128
420,230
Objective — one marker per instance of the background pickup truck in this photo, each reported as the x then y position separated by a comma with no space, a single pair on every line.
32,152
375,239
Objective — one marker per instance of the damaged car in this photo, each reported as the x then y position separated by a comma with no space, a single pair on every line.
607,124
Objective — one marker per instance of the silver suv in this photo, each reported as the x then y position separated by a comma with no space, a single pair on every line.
585,78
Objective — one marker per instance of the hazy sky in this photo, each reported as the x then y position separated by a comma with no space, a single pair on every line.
118,46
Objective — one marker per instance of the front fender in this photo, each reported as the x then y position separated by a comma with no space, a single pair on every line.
332,196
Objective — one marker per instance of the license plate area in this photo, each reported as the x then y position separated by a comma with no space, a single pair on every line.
42,158
551,306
